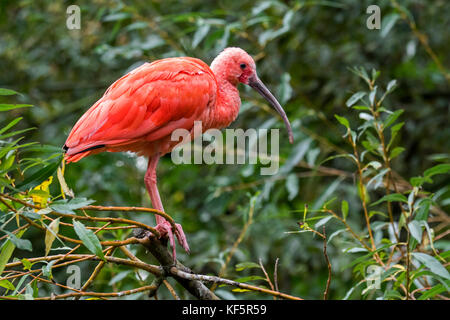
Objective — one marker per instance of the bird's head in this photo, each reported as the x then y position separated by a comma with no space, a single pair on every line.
235,65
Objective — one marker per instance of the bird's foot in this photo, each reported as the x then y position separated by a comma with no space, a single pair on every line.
165,228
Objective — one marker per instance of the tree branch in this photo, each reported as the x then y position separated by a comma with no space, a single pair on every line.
160,252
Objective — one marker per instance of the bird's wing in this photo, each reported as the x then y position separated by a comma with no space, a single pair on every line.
155,97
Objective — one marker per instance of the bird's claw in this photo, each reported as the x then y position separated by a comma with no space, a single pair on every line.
165,228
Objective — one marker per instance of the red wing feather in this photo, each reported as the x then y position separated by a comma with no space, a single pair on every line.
146,104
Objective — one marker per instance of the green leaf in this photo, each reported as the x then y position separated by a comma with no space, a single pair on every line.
373,212
263,5
439,169
391,85
30,214
394,131
372,96
40,176
375,74
18,286
346,155
322,222
271,34
367,117
7,107
23,244
344,209
350,291
392,294
136,26
223,41
7,92
7,251
117,16
377,180
388,23
432,263
7,162
395,152
374,164
292,186
334,234
343,121
285,88
250,278
415,228
68,206
297,154
89,239
26,264
29,292
423,209
362,73
437,289
439,157
392,117
246,265
417,181
6,284
14,133
47,269
45,148
356,250
11,124
200,34
392,197
361,108
355,98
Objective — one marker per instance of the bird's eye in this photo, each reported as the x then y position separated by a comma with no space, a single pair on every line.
243,66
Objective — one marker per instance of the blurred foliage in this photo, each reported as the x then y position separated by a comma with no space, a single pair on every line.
305,52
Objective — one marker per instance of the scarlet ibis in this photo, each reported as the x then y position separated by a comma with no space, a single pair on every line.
140,110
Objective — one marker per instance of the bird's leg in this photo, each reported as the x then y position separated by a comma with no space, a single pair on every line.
162,225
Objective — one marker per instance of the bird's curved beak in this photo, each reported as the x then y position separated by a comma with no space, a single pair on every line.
259,86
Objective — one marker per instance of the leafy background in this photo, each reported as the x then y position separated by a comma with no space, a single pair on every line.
304,50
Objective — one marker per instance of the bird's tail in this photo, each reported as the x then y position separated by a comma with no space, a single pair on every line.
77,156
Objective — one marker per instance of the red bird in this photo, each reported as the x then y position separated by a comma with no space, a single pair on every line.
139,112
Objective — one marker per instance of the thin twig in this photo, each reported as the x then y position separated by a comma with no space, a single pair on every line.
98,294
325,293
275,274
132,209
97,270
158,271
171,290
219,280
267,277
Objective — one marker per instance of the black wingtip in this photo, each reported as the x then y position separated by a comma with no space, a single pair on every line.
65,148
91,148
